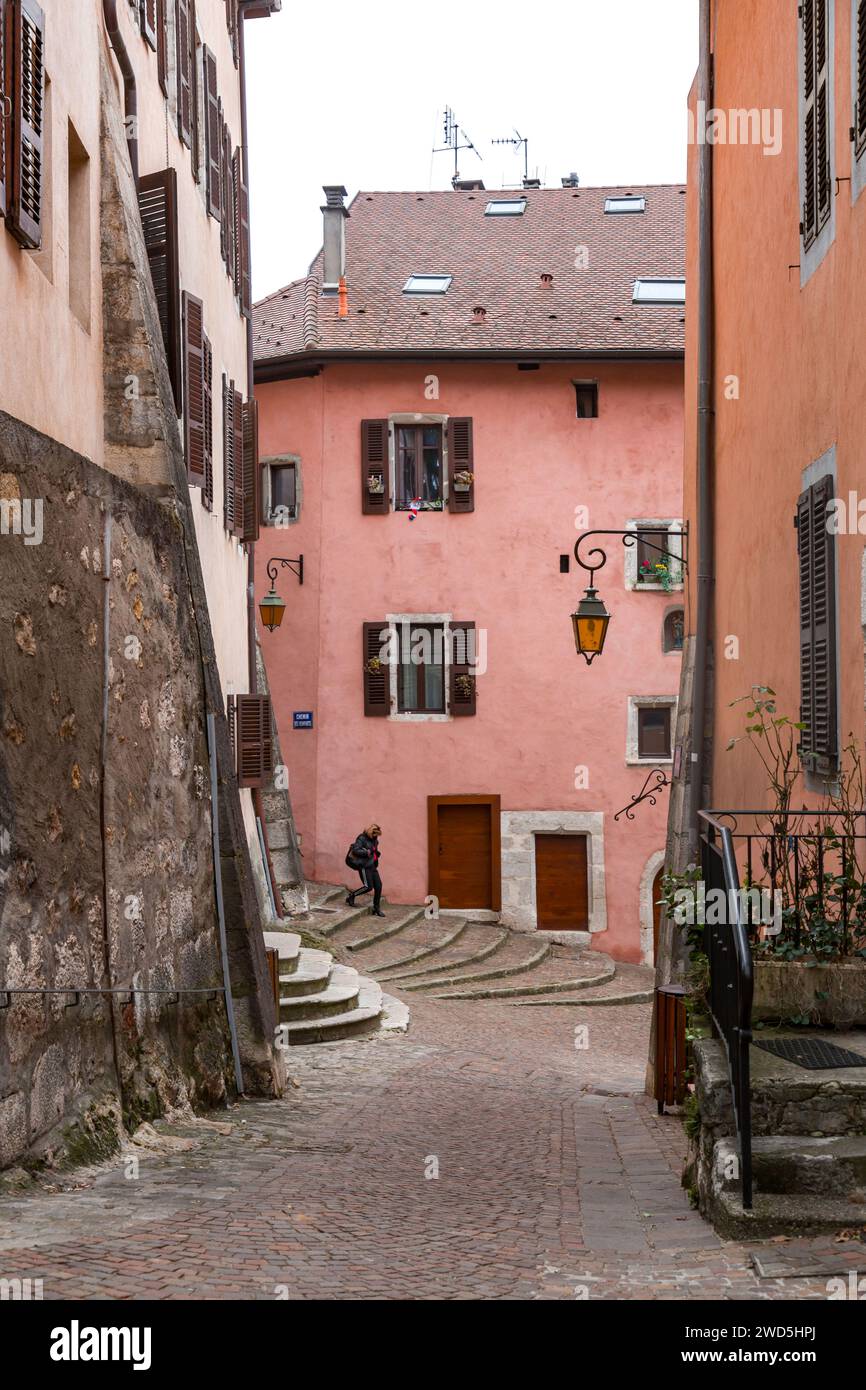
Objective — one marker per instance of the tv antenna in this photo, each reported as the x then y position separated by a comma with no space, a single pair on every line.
452,139
517,140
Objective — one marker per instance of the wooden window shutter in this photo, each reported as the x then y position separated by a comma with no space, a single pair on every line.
234,250
242,214
860,113
238,422
460,460
5,110
228,456
822,130
253,739
251,471
162,45
184,35
207,490
193,403
157,201
818,685
377,685
225,224
25,64
462,669
213,134
233,20
375,468
816,132
147,13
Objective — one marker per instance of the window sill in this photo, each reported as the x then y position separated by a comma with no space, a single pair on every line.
637,586
649,762
414,717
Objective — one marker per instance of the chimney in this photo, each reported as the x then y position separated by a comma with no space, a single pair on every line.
571,181
531,183
335,214
467,185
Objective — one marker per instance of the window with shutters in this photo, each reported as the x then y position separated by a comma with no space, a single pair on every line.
25,121
213,131
430,459
250,719
816,36
194,402
651,721
816,546
157,202
858,53
185,68
148,20
420,667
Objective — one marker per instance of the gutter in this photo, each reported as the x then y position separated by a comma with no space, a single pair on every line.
705,442
284,368
130,90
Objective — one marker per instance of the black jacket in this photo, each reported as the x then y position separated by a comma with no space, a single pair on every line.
365,850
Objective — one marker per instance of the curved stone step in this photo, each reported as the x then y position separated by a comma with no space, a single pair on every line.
344,917
556,976
393,925
311,975
424,938
340,996
288,946
366,1017
585,1001
515,956
631,984
476,943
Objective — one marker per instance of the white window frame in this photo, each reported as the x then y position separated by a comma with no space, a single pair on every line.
630,203
278,460
636,702
414,293
502,207
657,523
638,297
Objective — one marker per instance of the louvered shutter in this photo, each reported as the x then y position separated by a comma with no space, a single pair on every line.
183,32
25,64
243,241
225,175
193,405
162,45
460,458
238,422
232,20
822,118
234,246
147,13
377,685
375,467
250,487
157,201
5,110
462,669
860,113
207,490
213,134
818,685
253,739
229,455
816,132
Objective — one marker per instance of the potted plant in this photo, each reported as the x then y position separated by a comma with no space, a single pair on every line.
463,480
464,686
373,666
376,484
656,572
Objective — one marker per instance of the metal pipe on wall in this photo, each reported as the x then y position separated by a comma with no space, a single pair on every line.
130,90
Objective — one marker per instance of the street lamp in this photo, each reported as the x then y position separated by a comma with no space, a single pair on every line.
272,607
591,619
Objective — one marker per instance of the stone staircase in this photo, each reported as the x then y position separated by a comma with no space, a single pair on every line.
808,1146
449,958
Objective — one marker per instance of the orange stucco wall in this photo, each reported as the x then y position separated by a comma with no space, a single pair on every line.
542,712
797,356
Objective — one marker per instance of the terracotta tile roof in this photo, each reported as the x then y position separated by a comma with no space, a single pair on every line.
497,264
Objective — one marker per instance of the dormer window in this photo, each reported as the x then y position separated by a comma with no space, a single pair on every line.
659,292
427,284
628,204
505,207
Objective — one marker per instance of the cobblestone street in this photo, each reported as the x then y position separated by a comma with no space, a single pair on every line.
556,1180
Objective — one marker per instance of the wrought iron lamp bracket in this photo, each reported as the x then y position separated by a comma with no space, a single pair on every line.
629,539
659,780
296,566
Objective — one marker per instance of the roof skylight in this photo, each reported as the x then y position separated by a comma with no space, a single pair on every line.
630,203
505,207
427,284
659,292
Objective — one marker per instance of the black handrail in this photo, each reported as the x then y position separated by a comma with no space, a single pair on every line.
731,981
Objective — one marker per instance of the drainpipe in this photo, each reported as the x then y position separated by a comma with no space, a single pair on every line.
258,804
130,91
705,437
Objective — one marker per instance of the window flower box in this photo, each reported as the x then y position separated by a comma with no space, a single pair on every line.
658,572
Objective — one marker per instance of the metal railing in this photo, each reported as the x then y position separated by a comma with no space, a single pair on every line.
731,980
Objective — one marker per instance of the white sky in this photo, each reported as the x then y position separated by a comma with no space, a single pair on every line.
353,92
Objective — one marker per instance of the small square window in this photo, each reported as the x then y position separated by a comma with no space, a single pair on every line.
654,731
427,284
505,207
587,399
659,292
628,204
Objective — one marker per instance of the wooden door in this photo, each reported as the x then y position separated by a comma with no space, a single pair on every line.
464,851
561,885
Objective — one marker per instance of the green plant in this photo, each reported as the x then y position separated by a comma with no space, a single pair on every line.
657,572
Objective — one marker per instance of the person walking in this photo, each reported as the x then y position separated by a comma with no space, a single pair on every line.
364,856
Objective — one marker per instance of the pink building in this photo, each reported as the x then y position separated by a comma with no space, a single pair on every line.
506,374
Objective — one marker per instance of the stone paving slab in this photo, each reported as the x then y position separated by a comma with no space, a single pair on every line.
489,1154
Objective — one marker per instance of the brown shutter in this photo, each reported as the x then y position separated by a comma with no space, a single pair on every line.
193,405
462,669
25,64
818,685
253,739
207,490
5,110
860,115
233,20
196,134
816,133
822,132
243,241
234,246
229,455
238,421
157,201
375,467
213,134
183,32
226,219
250,525
460,457
377,687
147,12
162,45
